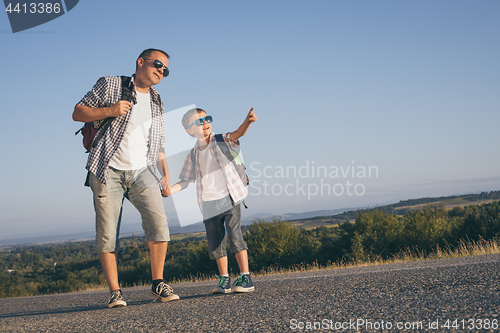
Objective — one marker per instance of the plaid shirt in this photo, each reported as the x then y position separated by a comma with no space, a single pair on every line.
106,92
192,172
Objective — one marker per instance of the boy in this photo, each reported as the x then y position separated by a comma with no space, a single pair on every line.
220,191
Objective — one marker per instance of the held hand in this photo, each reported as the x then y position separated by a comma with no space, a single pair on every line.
251,117
165,188
166,192
119,108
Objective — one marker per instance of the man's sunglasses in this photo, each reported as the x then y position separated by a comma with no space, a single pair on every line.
201,121
158,64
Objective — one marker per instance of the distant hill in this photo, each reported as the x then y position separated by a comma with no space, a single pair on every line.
304,220
400,208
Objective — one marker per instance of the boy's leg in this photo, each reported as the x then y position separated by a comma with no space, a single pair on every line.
217,239
214,227
216,236
242,259
239,247
236,241
222,265
224,285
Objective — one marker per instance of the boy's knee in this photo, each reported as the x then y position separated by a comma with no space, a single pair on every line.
217,253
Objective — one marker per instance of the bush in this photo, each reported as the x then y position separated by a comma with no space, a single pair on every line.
278,243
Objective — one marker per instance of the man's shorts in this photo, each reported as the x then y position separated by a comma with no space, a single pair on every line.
141,188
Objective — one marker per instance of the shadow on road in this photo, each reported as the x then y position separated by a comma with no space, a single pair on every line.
96,307
54,311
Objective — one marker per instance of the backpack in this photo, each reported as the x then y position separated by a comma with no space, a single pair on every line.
233,156
88,131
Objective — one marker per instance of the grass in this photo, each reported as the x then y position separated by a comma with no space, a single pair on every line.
195,235
464,249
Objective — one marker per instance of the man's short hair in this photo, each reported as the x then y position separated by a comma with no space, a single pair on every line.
188,114
144,54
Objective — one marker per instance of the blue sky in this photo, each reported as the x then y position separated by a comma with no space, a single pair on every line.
411,88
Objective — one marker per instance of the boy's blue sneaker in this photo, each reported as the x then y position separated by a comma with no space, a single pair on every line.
224,286
243,284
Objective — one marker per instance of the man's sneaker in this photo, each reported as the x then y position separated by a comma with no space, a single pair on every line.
116,299
164,292
243,284
224,286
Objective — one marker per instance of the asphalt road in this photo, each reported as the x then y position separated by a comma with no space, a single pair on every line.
418,296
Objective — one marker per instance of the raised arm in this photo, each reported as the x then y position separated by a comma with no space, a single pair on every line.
251,118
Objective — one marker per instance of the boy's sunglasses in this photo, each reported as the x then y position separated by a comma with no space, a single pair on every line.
158,64
201,121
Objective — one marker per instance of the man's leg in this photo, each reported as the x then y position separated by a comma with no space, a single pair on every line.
144,193
108,200
158,252
108,262
159,289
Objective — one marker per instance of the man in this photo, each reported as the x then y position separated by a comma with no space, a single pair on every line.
122,164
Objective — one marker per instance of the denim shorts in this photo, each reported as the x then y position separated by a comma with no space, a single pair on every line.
216,213
141,188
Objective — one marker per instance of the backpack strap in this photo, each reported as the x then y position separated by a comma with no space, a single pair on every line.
193,156
226,151
103,128
224,147
127,95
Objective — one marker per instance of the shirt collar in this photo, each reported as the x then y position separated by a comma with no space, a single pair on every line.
155,96
197,144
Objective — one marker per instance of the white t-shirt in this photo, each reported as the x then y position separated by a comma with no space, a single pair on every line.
212,181
133,149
